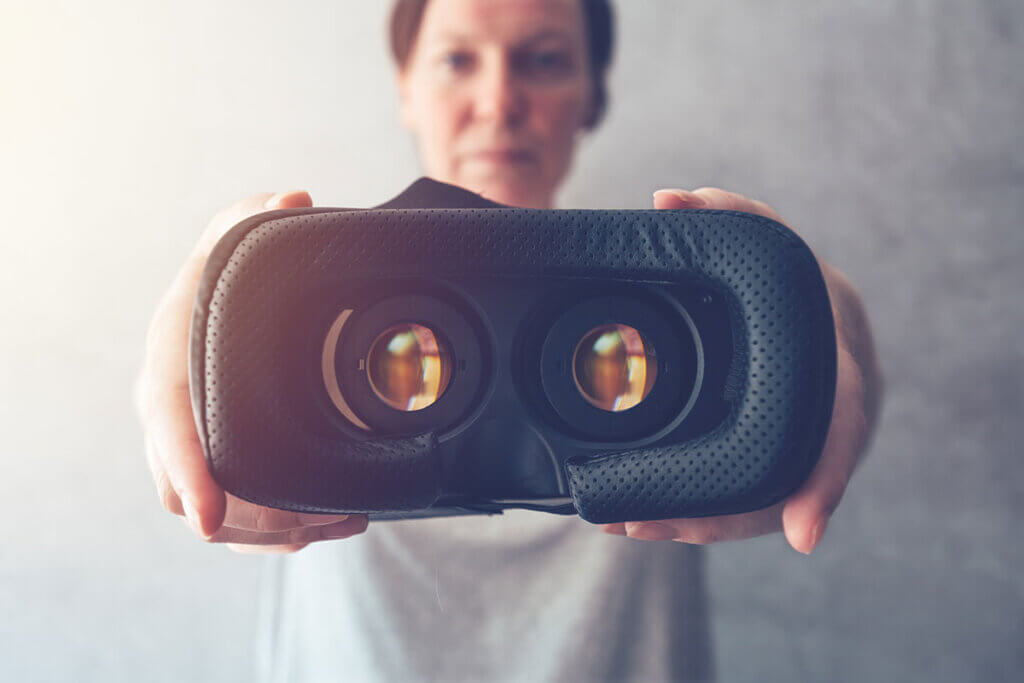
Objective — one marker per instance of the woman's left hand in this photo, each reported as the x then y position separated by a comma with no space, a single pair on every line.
804,515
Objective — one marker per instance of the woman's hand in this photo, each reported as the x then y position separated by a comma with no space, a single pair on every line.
175,456
804,515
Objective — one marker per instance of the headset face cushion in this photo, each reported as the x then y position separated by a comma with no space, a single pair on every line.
735,332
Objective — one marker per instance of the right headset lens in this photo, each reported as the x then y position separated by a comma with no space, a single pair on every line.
613,367
409,367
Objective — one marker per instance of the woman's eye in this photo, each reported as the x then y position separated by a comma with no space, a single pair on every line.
546,63
457,61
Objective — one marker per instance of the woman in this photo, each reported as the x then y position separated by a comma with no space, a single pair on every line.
496,94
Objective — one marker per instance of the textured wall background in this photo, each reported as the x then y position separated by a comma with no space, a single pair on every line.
887,133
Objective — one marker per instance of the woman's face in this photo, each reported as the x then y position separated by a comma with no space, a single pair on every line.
496,91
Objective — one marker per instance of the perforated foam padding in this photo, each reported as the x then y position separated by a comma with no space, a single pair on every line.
778,303
782,408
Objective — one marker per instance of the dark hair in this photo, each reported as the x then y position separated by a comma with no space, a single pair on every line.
406,16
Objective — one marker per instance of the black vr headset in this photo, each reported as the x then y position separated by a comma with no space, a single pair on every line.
442,354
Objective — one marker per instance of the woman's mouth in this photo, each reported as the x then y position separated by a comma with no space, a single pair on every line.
504,155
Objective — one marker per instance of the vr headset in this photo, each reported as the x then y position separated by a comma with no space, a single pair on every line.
441,354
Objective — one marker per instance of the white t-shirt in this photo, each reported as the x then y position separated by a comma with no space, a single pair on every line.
524,596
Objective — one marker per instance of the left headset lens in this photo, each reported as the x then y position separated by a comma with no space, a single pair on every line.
409,367
613,367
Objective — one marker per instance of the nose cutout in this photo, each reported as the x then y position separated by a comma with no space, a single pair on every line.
507,458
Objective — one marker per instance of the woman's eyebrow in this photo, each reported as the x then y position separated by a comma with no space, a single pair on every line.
449,37
548,34
544,35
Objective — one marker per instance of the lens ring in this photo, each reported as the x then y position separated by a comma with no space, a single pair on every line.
409,366
665,327
614,367
454,325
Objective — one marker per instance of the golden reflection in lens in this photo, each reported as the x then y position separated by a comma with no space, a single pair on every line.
612,368
408,367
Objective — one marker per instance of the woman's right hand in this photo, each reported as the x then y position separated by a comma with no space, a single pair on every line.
175,456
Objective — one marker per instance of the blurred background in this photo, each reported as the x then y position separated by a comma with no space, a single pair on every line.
888,134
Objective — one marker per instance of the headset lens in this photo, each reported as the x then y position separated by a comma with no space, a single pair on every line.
614,368
409,367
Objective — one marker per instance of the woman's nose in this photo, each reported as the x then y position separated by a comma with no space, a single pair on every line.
499,95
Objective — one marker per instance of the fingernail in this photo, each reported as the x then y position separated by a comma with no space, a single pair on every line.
650,531
816,534
616,529
688,198
192,516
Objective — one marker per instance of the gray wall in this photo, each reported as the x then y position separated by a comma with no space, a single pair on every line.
887,133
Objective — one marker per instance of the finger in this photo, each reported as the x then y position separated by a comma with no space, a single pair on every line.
716,198
618,529
806,513
292,199
678,199
266,549
168,406
181,455
250,206
169,329
706,530
356,524
712,198
168,333
241,514
168,498
171,324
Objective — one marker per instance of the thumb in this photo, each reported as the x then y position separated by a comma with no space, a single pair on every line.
292,199
239,211
678,199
